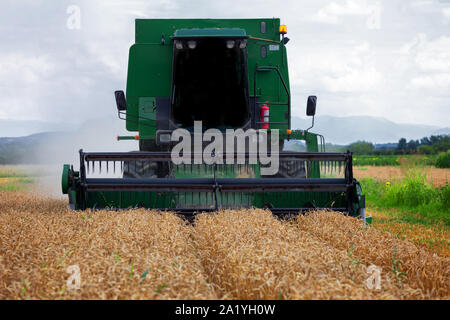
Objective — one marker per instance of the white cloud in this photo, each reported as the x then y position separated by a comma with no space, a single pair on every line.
446,12
333,12
428,62
138,14
349,70
109,59
421,3
21,69
21,78
441,80
366,79
350,7
434,55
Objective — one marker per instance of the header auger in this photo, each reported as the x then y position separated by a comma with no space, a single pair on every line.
189,81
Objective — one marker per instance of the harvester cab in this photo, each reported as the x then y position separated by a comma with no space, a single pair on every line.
209,102
210,73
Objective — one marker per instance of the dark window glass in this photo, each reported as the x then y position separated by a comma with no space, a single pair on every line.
263,27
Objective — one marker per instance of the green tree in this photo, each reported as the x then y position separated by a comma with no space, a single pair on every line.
425,141
402,145
412,145
442,144
426,149
435,139
361,147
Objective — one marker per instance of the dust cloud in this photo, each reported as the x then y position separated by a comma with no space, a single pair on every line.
47,157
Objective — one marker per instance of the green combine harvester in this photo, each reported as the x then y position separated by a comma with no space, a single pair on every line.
230,75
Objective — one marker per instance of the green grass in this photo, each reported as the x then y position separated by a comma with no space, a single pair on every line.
15,181
414,199
13,175
17,185
395,160
10,187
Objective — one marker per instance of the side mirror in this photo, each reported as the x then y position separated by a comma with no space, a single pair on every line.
311,106
120,100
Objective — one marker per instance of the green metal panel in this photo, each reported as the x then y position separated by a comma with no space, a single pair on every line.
166,200
210,32
147,117
312,146
149,75
151,30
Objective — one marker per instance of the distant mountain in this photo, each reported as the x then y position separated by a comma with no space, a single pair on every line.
345,130
19,128
385,146
17,150
443,131
62,147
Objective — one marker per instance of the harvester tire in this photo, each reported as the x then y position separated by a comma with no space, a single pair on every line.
291,169
145,169
139,169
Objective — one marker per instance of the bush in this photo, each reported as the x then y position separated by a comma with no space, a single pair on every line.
443,160
413,194
361,147
424,149
444,196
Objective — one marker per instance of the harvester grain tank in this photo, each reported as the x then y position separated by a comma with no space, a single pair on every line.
222,74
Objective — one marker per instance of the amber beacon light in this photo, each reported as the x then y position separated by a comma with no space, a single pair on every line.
283,29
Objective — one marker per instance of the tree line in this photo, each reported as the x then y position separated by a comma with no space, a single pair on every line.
426,145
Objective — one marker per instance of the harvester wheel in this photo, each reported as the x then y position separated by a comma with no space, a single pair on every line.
292,169
66,179
145,169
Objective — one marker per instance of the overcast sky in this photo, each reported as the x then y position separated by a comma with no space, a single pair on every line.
381,58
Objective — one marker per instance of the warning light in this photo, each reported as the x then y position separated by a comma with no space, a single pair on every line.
288,131
283,29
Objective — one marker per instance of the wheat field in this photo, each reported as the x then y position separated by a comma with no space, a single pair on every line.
246,254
